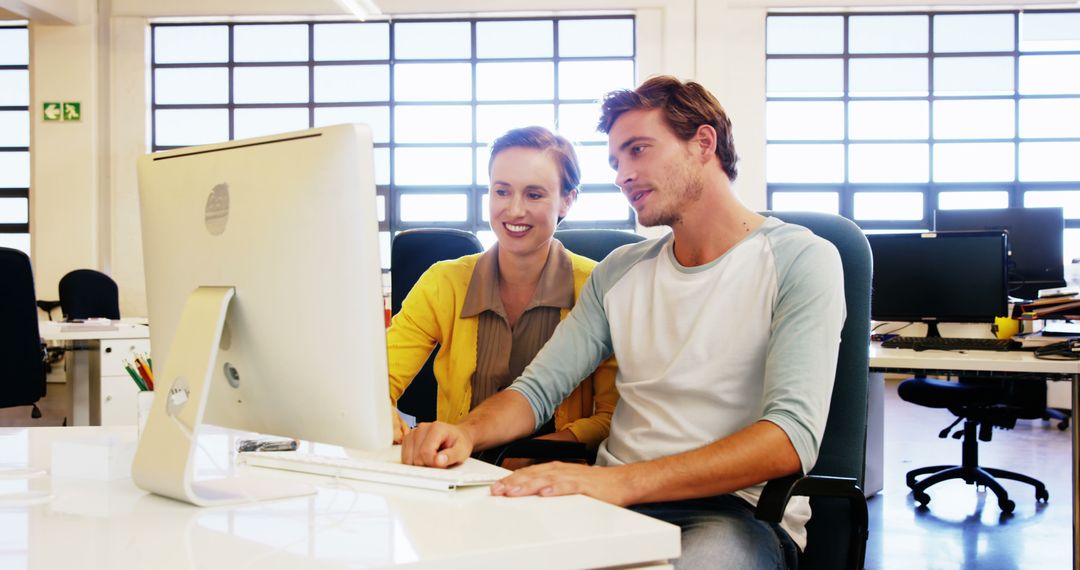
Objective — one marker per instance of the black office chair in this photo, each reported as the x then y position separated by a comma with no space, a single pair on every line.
982,404
22,369
48,307
595,244
411,254
837,530
86,294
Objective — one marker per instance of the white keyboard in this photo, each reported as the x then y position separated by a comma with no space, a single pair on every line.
471,473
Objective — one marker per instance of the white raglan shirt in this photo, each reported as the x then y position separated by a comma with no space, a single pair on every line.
705,351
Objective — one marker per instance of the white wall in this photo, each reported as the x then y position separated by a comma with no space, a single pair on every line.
65,214
84,199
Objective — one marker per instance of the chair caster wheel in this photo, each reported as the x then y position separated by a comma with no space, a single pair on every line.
1042,495
921,498
1063,425
1007,506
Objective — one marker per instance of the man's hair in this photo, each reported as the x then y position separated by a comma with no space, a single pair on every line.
685,107
542,139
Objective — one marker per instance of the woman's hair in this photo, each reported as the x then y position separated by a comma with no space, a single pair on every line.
685,107
542,139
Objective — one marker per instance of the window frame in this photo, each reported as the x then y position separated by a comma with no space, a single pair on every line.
16,192
392,192
846,190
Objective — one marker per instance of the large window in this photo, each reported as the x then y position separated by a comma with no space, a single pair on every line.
435,92
14,136
883,118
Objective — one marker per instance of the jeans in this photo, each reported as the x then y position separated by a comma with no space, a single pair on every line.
721,532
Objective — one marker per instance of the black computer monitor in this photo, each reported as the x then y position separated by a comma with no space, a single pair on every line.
1035,243
933,277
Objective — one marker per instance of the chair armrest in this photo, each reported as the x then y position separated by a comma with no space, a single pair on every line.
543,449
774,499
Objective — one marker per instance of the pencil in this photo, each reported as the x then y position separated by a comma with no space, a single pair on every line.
134,376
147,370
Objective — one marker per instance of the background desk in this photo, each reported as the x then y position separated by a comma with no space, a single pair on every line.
112,525
102,393
988,363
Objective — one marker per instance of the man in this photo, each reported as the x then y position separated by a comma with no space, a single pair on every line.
726,332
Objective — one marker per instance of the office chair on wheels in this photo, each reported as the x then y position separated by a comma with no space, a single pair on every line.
595,244
837,530
1063,417
86,294
982,404
22,368
411,254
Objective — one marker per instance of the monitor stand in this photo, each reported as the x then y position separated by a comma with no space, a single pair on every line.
165,457
932,329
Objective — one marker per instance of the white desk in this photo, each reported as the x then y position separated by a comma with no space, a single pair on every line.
102,393
982,362
112,525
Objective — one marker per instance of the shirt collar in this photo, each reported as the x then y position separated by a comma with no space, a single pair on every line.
555,289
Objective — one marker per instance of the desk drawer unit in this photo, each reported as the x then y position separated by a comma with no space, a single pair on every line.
113,398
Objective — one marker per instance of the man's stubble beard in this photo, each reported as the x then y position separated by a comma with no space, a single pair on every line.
692,186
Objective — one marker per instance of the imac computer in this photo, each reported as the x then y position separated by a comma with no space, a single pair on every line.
939,277
265,301
1035,243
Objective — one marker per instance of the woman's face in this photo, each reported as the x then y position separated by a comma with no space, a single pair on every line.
525,199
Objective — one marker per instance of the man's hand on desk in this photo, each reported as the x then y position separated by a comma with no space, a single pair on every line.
556,478
436,444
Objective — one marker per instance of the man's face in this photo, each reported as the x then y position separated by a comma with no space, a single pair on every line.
655,169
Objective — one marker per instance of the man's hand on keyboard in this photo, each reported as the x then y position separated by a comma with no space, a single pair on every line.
556,478
400,427
436,445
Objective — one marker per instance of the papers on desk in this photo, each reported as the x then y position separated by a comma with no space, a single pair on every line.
1061,328
1062,307
1037,339
89,325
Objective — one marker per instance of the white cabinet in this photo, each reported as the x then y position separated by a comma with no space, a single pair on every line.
113,393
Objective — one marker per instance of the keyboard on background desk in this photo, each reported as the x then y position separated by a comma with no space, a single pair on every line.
943,343
471,473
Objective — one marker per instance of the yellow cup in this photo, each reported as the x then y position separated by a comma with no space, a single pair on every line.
1006,327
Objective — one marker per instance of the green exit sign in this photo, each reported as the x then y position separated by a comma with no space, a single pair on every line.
62,111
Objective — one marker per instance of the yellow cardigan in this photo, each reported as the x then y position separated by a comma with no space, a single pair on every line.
430,314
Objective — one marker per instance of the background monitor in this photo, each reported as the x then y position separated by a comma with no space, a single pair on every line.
939,277
1035,243
290,222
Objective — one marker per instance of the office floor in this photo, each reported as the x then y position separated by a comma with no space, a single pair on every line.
55,406
962,529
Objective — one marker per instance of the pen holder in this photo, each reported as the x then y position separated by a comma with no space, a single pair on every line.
144,401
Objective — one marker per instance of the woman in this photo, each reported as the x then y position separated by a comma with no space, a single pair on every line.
492,312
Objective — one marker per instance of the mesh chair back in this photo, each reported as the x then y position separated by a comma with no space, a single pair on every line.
22,372
411,254
595,244
87,294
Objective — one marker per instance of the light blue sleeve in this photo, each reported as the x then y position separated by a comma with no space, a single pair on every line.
581,341
579,344
804,340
